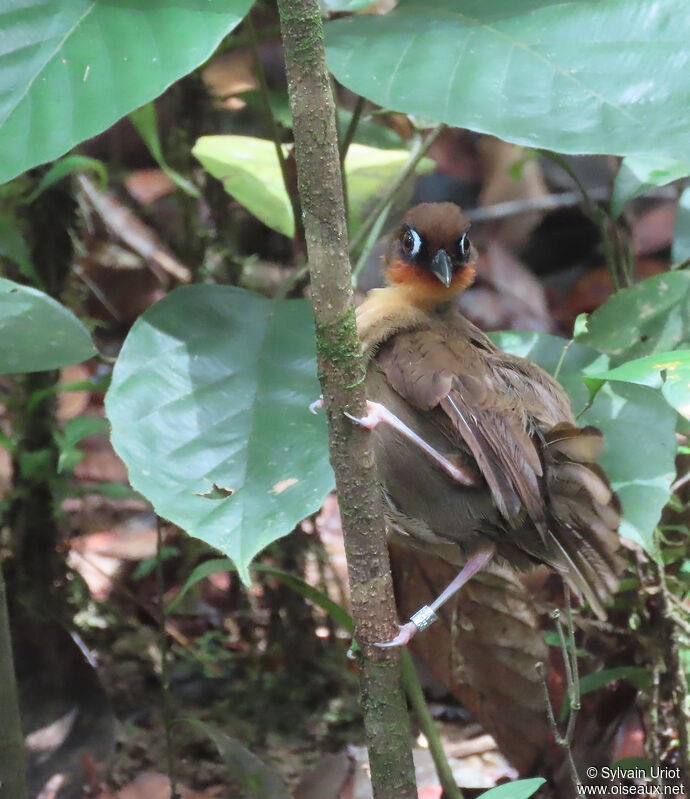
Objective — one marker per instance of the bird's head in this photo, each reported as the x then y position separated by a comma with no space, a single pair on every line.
431,252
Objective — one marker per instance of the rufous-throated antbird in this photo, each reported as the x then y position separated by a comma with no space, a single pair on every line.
478,454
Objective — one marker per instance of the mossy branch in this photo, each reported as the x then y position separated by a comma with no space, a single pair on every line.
341,373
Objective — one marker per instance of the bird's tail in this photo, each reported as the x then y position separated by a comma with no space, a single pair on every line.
585,513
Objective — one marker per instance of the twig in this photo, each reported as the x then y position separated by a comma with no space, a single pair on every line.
415,697
569,653
417,152
679,687
165,675
341,370
351,129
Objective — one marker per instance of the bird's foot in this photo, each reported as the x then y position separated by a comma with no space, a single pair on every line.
376,413
422,619
407,631
315,407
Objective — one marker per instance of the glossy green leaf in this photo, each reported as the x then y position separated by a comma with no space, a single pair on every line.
519,789
70,68
651,316
145,120
640,468
38,333
250,171
596,76
680,251
209,411
638,174
669,371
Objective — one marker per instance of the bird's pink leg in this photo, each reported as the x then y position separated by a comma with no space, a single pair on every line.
377,413
426,615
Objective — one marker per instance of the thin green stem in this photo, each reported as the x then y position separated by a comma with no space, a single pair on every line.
370,243
275,132
601,218
418,151
415,697
165,674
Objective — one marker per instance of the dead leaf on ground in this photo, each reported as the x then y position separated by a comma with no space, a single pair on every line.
148,185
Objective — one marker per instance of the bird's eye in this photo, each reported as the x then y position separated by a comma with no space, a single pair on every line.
411,242
464,245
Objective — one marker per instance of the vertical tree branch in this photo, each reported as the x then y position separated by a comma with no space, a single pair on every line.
341,372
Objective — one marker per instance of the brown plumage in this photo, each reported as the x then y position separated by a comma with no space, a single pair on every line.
525,484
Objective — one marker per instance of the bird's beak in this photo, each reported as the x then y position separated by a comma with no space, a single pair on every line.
442,267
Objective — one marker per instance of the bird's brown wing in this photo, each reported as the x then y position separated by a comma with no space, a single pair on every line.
516,422
434,369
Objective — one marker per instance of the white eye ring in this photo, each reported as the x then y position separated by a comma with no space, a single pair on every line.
464,244
416,245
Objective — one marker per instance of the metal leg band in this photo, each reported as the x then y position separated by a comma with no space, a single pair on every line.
423,618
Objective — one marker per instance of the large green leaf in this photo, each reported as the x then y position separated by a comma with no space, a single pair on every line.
669,371
37,332
641,468
70,68
596,76
209,410
651,316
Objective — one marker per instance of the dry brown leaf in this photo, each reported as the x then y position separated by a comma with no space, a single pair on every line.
484,649
500,186
148,185
230,74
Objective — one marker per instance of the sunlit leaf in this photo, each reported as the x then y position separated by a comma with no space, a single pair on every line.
529,71
39,333
249,170
669,371
212,389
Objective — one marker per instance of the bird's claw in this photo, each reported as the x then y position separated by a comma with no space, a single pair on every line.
406,632
375,413
315,407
